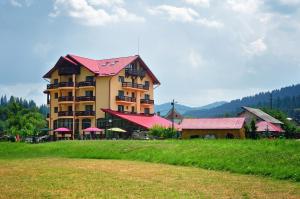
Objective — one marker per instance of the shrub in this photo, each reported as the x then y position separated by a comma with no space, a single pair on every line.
161,132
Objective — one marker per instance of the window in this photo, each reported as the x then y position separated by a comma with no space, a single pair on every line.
89,93
55,81
120,108
70,94
70,79
89,78
55,109
88,107
86,123
55,124
133,95
121,93
56,95
147,83
121,79
132,109
147,111
70,108
147,96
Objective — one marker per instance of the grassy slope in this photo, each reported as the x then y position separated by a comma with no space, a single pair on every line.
79,178
279,159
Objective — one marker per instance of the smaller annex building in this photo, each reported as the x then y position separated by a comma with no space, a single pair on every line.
217,127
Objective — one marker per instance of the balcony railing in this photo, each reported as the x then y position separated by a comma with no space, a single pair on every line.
135,72
52,86
125,98
147,101
85,113
86,83
85,98
60,84
65,113
65,98
135,85
65,84
141,114
48,115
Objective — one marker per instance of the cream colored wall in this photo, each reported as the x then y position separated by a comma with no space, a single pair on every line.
238,133
102,95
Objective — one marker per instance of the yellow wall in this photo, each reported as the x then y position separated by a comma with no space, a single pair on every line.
238,133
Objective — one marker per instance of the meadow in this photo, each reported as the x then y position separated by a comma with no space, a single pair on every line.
278,159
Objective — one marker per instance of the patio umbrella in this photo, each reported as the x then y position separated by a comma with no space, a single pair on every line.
62,130
92,129
116,129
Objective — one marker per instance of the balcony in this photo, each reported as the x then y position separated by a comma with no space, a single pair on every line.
135,72
65,84
135,86
52,86
66,99
65,113
85,98
85,113
147,101
86,84
125,99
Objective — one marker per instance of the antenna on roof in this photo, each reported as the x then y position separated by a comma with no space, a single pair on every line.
138,45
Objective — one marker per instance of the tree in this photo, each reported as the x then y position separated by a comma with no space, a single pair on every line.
253,128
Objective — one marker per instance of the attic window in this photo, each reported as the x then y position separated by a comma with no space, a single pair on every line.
105,64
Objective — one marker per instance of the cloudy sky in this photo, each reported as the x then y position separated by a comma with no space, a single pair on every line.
201,50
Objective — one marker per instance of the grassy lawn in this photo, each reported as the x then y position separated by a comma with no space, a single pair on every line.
82,178
278,159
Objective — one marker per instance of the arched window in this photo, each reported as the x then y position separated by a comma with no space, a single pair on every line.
86,123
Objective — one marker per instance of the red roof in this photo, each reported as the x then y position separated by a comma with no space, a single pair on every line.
105,67
213,123
142,120
264,126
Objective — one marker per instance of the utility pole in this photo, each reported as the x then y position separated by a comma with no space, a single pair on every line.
173,109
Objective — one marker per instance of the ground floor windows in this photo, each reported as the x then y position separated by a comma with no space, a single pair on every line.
147,110
86,123
120,108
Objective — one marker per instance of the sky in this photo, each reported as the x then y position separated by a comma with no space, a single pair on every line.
202,51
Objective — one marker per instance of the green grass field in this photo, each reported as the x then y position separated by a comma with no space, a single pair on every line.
278,159
86,178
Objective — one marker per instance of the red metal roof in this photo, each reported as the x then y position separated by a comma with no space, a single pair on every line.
264,126
213,123
142,120
105,67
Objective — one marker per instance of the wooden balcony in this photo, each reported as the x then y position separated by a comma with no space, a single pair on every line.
125,99
52,86
135,72
60,85
66,99
135,86
147,101
65,113
85,113
85,98
86,84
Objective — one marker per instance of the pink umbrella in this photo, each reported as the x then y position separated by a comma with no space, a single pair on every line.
92,129
62,130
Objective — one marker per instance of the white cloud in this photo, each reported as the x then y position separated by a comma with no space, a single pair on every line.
245,6
175,13
256,47
183,14
195,59
201,3
88,12
15,3
290,2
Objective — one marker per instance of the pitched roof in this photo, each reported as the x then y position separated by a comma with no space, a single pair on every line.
174,114
105,67
142,120
262,115
213,123
264,126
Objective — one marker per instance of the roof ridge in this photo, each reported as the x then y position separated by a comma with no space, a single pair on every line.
103,59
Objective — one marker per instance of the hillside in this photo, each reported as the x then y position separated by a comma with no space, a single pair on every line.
164,108
286,99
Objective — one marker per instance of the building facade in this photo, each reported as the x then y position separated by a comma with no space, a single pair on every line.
79,88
